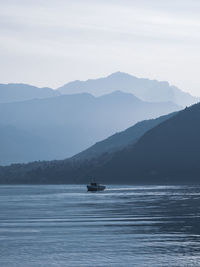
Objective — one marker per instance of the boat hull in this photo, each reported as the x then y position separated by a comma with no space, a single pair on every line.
96,188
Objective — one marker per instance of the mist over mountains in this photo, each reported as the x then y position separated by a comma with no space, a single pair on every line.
59,127
145,89
46,124
14,92
166,153
120,140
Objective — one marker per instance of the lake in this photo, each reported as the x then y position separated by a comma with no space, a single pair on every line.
64,225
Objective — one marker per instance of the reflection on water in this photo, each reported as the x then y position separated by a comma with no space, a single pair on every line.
123,226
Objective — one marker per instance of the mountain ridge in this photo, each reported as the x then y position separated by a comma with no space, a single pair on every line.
14,92
143,88
166,154
120,140
71,123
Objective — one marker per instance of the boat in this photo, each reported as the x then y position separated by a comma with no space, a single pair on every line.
95,187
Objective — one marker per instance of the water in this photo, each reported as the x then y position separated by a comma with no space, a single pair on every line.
63,225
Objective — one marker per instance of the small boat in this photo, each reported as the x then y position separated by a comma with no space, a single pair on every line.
95,187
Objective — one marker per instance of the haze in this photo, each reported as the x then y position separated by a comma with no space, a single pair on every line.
49,43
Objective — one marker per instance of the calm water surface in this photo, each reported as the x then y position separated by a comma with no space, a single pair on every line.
63,225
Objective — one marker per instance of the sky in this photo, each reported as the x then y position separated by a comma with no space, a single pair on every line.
49,43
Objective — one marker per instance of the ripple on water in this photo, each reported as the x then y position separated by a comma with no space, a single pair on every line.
63,225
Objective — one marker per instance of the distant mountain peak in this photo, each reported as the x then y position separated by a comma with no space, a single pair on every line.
120,75
145,89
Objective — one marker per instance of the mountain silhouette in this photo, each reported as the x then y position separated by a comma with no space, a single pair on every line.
145,89
69,124
13,92
121,140
167,153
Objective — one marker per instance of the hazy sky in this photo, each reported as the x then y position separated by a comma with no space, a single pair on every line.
48,42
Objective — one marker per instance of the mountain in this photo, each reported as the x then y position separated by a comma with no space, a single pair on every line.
16,143
120,140
69,124
166,154
145,89
13,92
